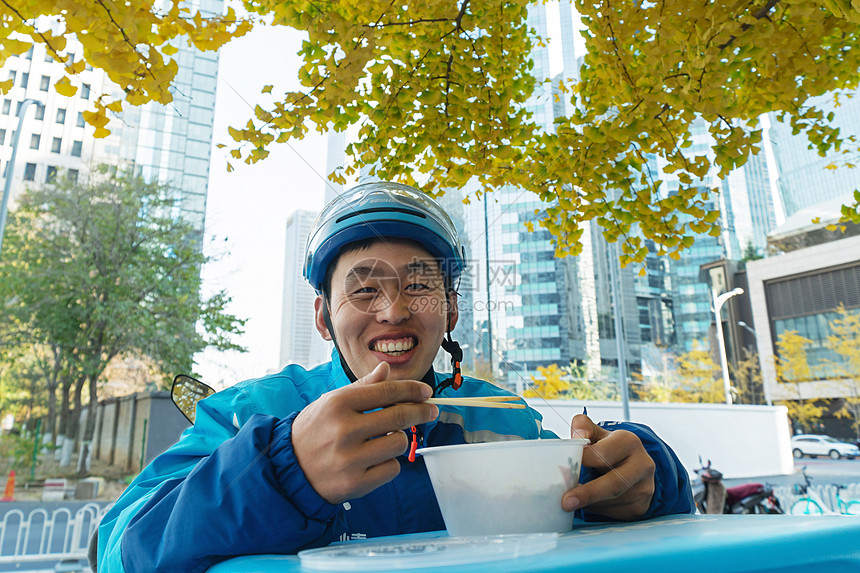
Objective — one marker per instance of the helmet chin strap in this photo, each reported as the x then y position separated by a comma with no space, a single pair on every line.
327,319
452,347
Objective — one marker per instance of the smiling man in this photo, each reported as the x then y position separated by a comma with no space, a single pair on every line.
305,457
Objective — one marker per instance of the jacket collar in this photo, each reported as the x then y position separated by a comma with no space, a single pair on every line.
340,379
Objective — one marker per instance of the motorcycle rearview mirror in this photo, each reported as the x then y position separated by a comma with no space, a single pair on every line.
186,392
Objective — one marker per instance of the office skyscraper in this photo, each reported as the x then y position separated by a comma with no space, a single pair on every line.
168,143
54,140
300,341
531,308
746,208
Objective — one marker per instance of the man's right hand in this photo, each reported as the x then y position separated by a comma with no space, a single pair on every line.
346,442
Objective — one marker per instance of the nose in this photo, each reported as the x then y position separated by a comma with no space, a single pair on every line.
394,309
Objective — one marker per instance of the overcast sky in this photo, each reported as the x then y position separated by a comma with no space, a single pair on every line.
247,209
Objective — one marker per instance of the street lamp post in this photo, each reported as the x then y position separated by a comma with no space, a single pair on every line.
719,301
522,380
746,327
10,168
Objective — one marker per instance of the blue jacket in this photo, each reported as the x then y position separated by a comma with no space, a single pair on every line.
232,485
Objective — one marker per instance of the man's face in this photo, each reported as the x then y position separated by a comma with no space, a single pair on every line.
388,304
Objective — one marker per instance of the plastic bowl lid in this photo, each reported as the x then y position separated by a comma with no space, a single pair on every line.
412,553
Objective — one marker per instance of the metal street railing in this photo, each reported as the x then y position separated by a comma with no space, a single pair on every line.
43,535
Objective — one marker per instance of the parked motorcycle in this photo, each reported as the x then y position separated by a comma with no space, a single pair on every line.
711,496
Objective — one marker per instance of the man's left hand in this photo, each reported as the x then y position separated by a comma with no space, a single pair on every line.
625,484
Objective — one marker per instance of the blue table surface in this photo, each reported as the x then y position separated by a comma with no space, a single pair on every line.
719,543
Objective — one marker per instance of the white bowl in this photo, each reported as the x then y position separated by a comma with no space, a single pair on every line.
504,487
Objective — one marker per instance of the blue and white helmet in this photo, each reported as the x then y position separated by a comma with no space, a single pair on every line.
382,210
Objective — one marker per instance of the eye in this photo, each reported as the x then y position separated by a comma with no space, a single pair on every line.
365,290
417,287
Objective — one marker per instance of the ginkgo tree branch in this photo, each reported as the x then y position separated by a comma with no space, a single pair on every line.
45,40
125,37
758,15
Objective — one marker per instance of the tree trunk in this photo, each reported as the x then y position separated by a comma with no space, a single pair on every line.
62,425
52,383
77,408
92,406
72,425
69,419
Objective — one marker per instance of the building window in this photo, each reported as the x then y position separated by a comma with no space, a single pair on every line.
49,57
61,115
56,144
13,75
40,111
30,172
73,175
2,137
7,105
25,80
80,122
45,83
29,54
51,174
35,140
85,91
77,147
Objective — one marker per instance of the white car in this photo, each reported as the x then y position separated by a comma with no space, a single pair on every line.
814,445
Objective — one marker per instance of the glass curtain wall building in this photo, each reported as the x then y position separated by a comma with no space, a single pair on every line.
745,202
532,309
525,312
804,178
172,143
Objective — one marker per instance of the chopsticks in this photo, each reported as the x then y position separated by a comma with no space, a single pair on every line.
479,402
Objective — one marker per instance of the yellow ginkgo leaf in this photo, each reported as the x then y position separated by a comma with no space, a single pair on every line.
136,98
64,87
96,118
76,67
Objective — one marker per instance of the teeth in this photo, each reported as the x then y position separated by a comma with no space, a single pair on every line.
394,346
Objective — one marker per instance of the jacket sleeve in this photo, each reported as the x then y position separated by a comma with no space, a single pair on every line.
672,492
219,492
